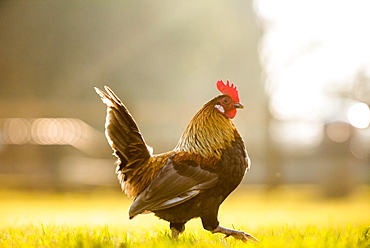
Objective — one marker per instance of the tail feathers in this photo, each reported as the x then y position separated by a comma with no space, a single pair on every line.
123,134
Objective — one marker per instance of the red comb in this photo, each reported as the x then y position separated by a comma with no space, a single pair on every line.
228,89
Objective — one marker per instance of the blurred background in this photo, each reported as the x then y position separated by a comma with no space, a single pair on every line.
302,69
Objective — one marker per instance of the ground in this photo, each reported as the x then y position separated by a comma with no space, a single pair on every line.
294,216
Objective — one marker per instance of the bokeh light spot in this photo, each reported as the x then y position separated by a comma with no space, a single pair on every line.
359,115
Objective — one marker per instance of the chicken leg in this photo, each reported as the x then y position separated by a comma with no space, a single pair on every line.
236,234
177,229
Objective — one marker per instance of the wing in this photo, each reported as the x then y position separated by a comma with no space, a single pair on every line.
123,134
174,184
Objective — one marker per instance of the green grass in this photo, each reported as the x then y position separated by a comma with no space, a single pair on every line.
289,217
103,236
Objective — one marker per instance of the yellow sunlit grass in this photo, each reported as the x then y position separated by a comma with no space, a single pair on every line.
248,207
295,214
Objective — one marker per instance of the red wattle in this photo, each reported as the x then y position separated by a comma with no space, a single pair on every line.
231,113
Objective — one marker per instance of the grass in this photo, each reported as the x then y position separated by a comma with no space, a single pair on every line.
288,217
103,236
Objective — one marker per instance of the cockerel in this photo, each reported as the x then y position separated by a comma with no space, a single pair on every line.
193,179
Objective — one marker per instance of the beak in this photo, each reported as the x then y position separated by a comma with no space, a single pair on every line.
238,105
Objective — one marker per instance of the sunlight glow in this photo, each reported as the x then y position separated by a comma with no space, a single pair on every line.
311,53
296,135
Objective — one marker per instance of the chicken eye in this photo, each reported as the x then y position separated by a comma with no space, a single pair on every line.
225,101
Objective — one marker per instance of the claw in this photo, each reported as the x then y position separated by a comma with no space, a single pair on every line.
245,237
249,237
236,234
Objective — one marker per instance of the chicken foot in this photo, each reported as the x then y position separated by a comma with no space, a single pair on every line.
236,234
